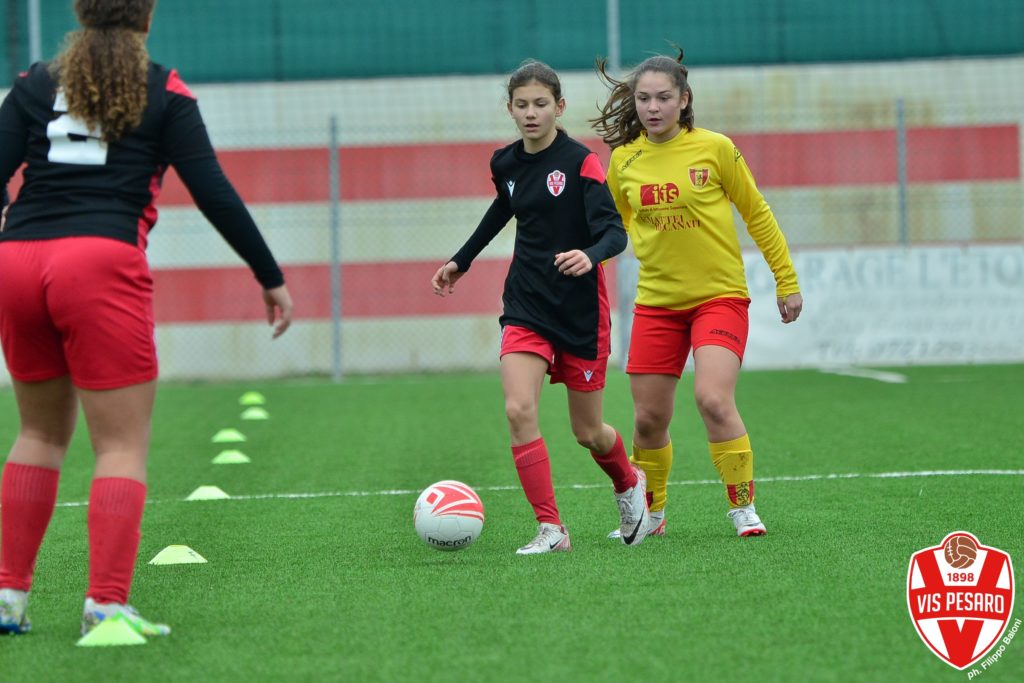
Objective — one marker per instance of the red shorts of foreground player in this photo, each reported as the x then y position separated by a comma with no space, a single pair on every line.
578,374
77,305
661,338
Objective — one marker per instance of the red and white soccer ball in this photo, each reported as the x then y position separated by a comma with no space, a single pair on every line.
448,515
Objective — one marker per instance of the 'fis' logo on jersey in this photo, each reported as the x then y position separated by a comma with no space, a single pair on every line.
960,596
699,177
658,194
556,182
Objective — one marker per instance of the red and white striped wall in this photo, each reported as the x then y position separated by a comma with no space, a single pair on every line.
414,182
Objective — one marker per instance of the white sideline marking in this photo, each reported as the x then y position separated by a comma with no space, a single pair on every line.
867,373
691,482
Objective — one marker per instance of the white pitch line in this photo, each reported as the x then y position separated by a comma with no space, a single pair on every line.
867,373
691,482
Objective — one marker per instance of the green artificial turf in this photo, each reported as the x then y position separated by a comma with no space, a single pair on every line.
314,572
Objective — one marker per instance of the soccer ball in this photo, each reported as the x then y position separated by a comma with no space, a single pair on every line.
448,515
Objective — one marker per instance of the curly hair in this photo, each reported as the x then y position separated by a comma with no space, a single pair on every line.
619,123
102,68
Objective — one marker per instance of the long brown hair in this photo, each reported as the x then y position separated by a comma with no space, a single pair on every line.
103,67
618,123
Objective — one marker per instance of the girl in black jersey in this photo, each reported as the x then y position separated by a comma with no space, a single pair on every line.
556,317
97,128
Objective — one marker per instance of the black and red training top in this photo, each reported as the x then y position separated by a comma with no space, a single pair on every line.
561,202
76,184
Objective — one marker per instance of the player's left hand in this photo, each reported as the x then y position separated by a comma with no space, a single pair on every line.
573,263
279,307
790,307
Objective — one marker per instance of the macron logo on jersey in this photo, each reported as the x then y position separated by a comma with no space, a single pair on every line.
588,374
511,187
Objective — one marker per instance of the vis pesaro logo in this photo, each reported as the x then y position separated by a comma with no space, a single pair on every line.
960,596
556,183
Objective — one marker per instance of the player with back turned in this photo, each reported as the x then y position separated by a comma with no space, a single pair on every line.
556,314
97,128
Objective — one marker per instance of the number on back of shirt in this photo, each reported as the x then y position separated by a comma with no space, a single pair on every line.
71,140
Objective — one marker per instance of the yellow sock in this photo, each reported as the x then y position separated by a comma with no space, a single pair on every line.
656,463
734,461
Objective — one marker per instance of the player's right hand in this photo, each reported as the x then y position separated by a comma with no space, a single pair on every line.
445,278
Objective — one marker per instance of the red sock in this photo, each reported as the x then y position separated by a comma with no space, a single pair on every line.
534,470
115,515
616,465
27,496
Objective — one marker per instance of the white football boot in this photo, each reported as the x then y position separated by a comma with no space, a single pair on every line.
94,613
655,527
13,604
551,538
634,517
746,521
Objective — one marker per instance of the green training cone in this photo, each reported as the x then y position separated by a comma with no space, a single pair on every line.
228,436
255,413
178,554
252,398
112,631
208,493
231,458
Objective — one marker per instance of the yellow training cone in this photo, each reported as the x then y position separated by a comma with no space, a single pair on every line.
208,493
230,458
177,554
255,413
114,630
228,436
252,398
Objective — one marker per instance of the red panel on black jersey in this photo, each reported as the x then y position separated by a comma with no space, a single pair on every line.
560,203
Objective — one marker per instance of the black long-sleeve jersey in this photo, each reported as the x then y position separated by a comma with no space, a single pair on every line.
561,202
77,184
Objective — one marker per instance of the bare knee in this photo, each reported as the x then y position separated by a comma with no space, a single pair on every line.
651,421
55,437
44,442
717,408
590,437
521,415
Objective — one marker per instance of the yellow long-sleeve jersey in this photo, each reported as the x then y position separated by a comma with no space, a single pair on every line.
674,199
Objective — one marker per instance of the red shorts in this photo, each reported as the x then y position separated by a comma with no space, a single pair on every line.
578,374
661,338
77,305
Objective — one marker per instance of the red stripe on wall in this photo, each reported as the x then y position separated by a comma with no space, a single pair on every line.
869,157
369,290
447,170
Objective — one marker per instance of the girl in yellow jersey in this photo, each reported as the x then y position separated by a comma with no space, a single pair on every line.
673,184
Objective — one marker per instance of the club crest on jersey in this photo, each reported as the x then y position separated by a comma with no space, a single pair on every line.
699,177
960,595
556,183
